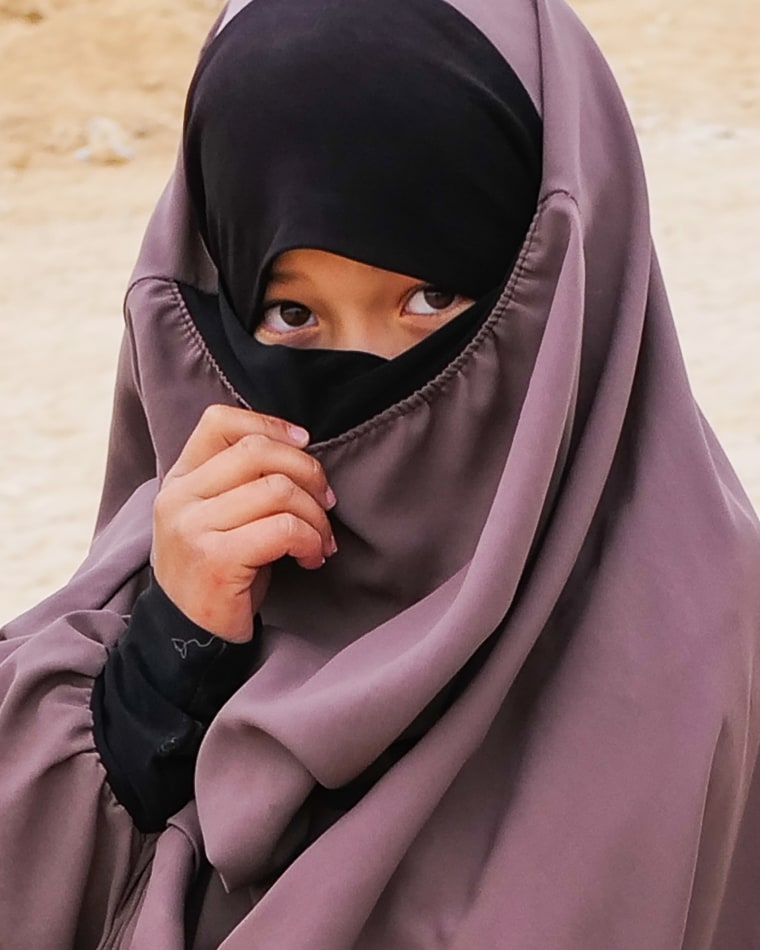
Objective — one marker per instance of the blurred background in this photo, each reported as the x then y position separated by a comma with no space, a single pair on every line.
91,97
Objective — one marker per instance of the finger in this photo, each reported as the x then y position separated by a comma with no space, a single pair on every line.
253,457
254,501
263,542
222,426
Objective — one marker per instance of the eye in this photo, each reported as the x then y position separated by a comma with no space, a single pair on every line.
286,316
431,300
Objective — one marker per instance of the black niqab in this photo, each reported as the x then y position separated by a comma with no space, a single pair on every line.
392,133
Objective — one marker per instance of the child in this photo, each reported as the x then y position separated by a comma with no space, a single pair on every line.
422,609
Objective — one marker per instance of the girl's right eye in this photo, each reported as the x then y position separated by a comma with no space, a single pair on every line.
287,316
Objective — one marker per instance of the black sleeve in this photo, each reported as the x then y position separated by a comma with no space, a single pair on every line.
161,686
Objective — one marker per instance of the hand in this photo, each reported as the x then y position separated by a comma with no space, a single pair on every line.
242,494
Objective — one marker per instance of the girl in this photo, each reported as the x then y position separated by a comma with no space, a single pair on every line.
422,610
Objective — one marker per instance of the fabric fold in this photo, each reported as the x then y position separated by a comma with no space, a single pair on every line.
545,541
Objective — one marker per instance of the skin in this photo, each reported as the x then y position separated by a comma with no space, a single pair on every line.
316,299
243,492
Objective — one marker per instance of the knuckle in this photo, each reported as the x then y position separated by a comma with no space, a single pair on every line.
178,522
290,526
213,415
281,486
184,530
271,424
165,502
253,443
315,469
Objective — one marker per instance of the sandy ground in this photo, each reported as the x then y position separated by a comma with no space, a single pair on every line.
69,230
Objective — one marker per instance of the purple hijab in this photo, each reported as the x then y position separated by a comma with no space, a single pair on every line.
593,784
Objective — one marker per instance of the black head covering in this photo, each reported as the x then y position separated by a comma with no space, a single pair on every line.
388,131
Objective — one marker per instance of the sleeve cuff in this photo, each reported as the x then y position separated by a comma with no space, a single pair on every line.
191,668
158,692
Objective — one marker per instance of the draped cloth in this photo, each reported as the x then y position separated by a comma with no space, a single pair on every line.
550,513
392,133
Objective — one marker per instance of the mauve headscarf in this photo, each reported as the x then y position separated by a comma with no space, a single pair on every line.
550,513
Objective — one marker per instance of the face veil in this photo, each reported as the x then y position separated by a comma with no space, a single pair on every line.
394,134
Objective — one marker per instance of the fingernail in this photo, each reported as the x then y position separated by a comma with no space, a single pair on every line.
332,501
300,436
332,547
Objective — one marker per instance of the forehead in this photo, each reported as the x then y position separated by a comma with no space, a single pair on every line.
312,264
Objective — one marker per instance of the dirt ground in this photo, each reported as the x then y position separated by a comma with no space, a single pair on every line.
70,228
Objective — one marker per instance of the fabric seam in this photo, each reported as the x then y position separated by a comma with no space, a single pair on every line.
438,384
200,343
426,393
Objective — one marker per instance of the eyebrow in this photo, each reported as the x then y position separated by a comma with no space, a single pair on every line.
279,276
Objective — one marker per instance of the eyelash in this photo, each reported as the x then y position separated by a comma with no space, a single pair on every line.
272,304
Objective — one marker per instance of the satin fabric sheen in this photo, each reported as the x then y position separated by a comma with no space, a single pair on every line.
554,496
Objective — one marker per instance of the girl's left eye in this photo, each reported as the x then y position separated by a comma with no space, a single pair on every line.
286,317
431,300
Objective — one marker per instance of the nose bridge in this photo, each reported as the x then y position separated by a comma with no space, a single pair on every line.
365,328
